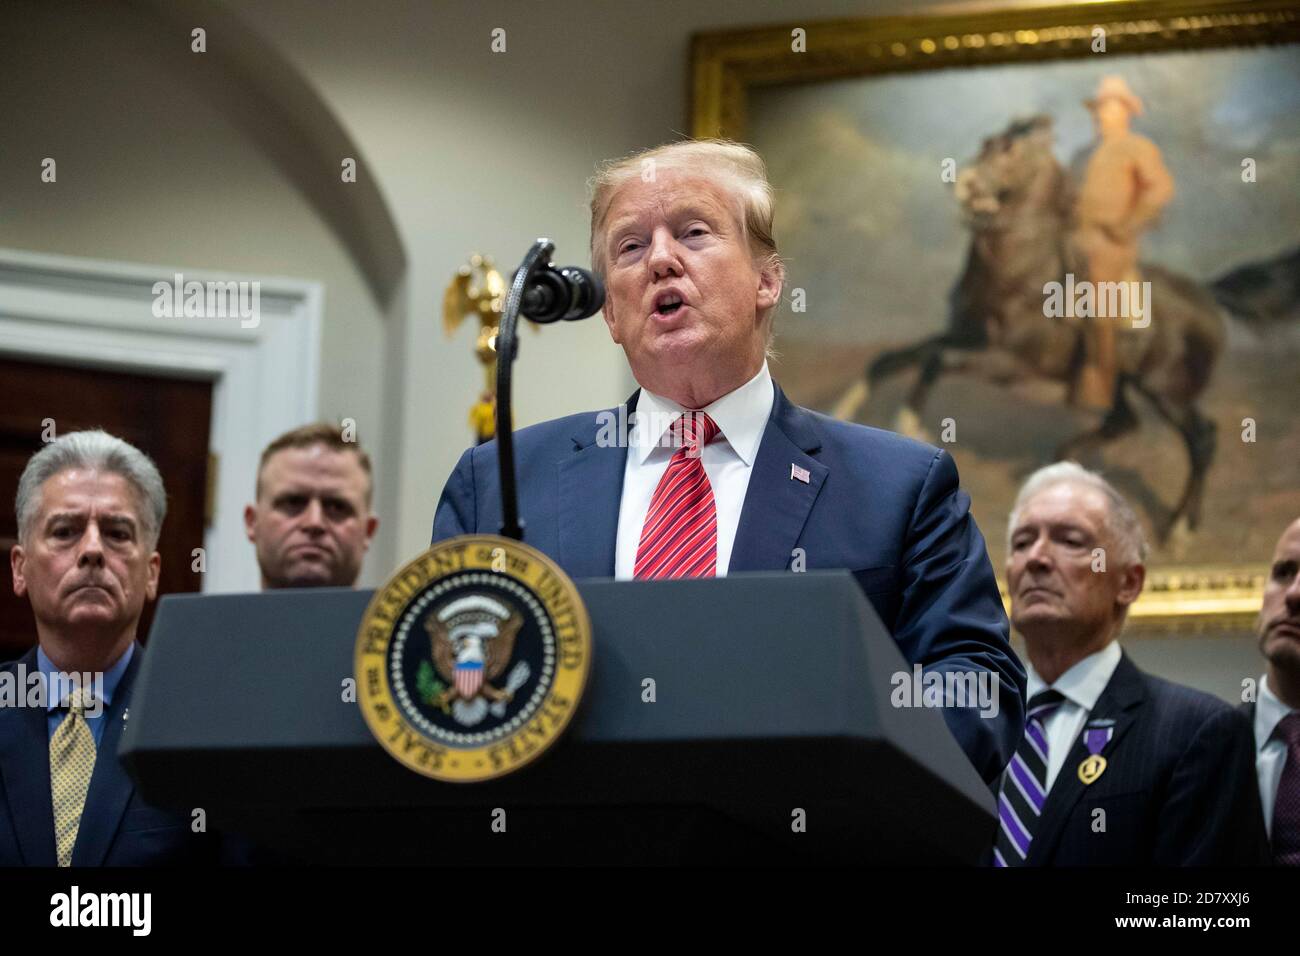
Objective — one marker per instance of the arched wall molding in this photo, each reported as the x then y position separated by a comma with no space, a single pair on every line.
284,115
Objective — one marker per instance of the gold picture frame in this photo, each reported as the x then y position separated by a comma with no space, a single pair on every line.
726,65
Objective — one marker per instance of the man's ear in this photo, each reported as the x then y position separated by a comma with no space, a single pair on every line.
372,525
770,280
155,568
250,522
18,558
1130,583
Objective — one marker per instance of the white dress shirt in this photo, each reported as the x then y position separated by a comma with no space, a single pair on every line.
1270,755
1081,685
741,416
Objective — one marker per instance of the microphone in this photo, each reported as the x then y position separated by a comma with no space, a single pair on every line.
567,293
545,294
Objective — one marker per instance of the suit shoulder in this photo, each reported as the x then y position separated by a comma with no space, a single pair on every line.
561,429
28,660
879,444
868,436
1185,703
555,434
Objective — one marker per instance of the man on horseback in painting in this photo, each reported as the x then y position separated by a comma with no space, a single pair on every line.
1125,186
1023,215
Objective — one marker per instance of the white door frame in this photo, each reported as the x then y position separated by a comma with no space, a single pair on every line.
265,377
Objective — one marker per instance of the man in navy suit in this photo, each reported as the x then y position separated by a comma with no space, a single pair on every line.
90,507
720,472
1274,714
1116,767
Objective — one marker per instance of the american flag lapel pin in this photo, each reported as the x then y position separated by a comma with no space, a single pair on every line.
802,474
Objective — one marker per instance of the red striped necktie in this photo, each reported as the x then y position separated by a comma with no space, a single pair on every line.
680,536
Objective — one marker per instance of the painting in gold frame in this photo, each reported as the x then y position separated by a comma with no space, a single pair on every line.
832,106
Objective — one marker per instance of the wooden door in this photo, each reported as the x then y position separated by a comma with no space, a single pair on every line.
165,418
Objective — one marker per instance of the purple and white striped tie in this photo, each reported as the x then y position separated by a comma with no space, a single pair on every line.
1024,784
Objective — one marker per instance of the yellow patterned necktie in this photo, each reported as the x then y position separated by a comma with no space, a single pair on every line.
72,762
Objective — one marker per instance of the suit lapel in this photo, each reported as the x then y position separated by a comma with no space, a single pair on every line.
588,514
1120,702
777,503
776,508
110,787
25,775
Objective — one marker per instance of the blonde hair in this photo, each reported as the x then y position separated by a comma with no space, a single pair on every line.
736,167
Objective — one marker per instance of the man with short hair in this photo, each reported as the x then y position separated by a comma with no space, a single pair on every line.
1116,767
90,508
1275,714
721,472
311,522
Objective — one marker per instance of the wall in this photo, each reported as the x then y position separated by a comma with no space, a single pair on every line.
150,171
473,151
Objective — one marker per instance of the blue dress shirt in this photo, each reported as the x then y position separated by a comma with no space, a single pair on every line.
57,709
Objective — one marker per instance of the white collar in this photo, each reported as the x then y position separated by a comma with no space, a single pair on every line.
1083,683
741,416
1269,711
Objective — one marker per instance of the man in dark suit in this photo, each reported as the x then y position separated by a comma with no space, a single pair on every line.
1274,714
90,507
1116,767
720,472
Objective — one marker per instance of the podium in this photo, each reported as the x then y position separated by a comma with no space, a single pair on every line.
744,719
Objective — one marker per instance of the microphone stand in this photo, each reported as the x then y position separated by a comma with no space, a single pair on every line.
539,254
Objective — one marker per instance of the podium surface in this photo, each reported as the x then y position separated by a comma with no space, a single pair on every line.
739,719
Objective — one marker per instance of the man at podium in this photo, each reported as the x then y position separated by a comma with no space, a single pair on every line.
709,469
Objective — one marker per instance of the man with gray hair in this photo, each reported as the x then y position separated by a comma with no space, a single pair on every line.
1116,767
90,508
709,469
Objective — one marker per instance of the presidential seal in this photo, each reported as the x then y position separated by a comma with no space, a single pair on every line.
471,661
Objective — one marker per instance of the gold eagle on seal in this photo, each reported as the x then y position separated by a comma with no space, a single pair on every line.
472,641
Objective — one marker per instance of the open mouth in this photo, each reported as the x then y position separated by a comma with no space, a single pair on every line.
669,303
